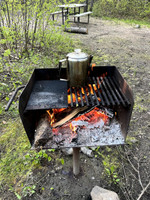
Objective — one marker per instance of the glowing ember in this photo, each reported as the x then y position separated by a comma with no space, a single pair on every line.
93,116
92,119
76,95
90,89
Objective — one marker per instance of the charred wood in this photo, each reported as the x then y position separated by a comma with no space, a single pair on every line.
70,116
43,132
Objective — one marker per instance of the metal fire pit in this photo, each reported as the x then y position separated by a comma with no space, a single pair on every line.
47,89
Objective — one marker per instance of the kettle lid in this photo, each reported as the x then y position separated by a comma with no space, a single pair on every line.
77,54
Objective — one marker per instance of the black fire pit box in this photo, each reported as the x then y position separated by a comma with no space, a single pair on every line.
47,89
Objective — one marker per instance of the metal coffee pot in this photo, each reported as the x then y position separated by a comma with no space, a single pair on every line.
77,67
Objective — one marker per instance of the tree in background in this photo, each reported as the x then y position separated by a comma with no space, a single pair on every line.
24,25
136,9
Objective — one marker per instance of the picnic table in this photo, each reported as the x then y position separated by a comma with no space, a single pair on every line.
76,11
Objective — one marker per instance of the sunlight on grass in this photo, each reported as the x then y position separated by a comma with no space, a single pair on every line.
14,145
132,22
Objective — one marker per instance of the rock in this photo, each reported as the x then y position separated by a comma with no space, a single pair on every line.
99,193
86,151
137,26
58,168
67,151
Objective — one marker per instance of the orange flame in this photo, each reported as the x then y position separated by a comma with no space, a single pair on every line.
52,114
91,87
93,65
73,128
93,116
52,117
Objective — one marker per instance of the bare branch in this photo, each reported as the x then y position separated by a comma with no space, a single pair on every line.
143,191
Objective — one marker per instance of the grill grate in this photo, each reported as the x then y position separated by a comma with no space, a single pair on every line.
100,91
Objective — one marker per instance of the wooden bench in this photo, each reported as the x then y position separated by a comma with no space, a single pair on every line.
57,13
81,15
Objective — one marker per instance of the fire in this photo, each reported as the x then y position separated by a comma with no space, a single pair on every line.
76,97
93,119
73,128
52,114
93,116
93,65
52,117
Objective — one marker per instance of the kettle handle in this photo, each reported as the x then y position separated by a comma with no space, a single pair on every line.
90,59
60,66
60,63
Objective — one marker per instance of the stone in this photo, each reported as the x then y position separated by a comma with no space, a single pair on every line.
86,151
67,151
137,26
99,193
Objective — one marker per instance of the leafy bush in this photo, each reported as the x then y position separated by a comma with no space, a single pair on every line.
26,25
136,9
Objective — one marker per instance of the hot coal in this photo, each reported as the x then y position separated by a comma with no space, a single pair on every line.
93,128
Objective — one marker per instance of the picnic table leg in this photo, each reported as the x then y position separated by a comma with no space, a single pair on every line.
67,13
74,14
88,18
53,17
62,16
79,17
86,7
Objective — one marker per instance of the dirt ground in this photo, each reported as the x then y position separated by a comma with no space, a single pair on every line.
128,48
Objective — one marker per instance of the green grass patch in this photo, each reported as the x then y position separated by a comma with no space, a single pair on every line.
14,145
17,160
133,22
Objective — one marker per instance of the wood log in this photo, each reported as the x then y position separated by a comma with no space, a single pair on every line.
70,116
43,132
76,30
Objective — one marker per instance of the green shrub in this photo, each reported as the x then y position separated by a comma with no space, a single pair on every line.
136,9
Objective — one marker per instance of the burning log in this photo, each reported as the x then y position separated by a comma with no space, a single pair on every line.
77,30
42,133
70,116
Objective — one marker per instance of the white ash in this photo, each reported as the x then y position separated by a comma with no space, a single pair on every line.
79,123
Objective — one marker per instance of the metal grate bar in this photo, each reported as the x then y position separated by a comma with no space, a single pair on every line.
82,102
71,97
95,95
92,102
98,91
107,91
87,101
103,92
125,99
117,92
77,103
112,91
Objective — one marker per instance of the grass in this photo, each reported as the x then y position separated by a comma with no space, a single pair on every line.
17,159
14,145
133,22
